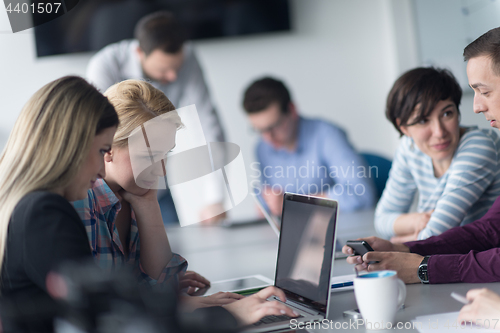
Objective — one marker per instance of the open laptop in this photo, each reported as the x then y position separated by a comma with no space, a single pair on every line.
276,224
259,201
305,259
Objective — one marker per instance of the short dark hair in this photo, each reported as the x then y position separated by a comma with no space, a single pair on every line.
423,87
159,31
488,45
263,92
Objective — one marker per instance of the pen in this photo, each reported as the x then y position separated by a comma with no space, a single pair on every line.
460,298
343,284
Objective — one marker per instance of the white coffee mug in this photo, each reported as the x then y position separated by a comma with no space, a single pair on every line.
379,296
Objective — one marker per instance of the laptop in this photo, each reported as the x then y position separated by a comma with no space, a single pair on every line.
276,224
305,260
260,202
264,208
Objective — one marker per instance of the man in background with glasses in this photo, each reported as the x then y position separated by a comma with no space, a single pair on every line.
303,155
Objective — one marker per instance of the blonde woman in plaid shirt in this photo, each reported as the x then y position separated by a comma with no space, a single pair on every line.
118,211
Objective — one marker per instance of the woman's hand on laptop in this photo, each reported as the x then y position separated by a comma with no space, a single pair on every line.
192,281
253,308
191,303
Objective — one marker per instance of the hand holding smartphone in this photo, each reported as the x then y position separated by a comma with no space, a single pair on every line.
360,247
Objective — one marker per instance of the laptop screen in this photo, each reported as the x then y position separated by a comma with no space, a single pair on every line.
306,249
264,208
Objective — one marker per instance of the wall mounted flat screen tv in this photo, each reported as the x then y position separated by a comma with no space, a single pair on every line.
93,24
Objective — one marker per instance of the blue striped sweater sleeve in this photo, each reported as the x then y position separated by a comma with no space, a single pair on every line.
398,193
473,170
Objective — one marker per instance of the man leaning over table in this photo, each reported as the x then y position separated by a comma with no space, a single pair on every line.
470,253
303,155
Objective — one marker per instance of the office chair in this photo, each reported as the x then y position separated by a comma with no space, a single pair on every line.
381,173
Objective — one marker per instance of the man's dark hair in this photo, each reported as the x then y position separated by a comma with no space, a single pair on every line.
263,92
159,31
488,45
420,88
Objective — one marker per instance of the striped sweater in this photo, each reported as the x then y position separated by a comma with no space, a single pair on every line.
462,195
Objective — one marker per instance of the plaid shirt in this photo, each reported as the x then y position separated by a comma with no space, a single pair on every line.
98,213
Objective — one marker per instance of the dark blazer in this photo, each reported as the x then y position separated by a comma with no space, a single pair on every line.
44,231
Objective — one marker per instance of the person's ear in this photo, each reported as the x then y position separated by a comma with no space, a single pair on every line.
108,156
140,53
293,110
403,129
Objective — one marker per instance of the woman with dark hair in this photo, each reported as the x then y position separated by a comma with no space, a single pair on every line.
452,168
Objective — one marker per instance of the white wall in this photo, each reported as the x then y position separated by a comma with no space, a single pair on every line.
339,63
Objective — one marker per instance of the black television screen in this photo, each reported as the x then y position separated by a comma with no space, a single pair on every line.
93,24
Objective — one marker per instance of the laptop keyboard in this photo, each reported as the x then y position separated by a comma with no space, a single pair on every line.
274,319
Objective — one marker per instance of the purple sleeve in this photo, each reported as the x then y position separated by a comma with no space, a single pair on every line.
473,267
465,254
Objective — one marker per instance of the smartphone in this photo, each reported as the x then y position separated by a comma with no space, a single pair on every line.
360,247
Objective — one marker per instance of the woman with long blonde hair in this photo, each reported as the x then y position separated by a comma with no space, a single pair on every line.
118,206
121,213
54,154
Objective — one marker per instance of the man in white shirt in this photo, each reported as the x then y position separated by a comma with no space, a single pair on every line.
160,54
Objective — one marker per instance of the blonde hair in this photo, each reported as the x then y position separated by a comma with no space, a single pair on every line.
136,102
49,142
